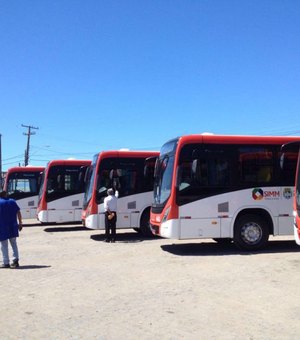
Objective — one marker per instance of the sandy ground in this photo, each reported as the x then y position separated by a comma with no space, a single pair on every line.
72,285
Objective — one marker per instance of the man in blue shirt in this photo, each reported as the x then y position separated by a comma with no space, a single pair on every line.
9,229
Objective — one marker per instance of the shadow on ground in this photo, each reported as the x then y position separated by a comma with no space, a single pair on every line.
37,224
215,249
64,228
33,267
129,237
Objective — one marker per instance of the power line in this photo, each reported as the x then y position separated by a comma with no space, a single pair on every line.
7,159
14,163
28,134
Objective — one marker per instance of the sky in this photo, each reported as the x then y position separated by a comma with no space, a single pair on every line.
97,75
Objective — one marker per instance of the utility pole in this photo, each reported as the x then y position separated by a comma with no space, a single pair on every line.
28,134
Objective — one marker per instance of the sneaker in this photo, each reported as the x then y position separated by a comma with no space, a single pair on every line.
5,266
15,264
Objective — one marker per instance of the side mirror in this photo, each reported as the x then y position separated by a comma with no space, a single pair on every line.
102,190
195,166
178,176
281,161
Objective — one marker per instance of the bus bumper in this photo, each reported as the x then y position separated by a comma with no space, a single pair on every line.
296,234
91,222
170,229
42,216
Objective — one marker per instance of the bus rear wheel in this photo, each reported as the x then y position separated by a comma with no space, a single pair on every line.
251,232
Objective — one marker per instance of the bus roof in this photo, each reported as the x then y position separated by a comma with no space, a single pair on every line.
236,139
68,162
127,153
25,169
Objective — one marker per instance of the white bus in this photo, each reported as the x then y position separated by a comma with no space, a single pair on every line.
225,188
130,174
62,190
23,184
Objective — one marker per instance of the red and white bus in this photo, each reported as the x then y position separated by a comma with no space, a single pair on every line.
23,185
287,148
224,187
62,190
297,203
130,174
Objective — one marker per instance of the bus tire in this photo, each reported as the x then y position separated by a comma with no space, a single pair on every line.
145,223
251,232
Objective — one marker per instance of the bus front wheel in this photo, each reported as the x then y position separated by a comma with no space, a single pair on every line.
145,224
250,232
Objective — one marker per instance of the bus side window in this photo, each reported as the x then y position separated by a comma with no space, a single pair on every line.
51,185
264,174
288,163
127,181
222,172
184,176
199,172
148,174
256,165
114,176
103,183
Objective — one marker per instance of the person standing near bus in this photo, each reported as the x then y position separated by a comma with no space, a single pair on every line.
110,208
9,229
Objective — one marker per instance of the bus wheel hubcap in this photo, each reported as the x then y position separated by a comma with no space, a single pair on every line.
251,233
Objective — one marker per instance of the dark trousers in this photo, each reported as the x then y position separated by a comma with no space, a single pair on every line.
110,227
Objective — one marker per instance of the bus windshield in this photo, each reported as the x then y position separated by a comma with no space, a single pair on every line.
163,179
164,172
42,184
23,184
89,180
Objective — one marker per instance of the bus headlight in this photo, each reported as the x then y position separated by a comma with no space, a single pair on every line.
166,214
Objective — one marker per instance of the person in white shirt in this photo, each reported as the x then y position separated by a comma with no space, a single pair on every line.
110,208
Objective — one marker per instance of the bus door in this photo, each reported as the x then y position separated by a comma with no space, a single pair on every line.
288,163
203,175
59,200
117,182
112,176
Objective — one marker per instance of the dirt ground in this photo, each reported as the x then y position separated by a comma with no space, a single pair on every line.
72,285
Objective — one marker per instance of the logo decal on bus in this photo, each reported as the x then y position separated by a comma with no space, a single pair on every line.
287,193
258,194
